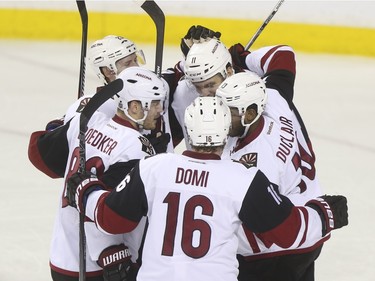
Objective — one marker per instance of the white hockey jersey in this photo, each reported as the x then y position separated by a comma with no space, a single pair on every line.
111,144
293,167
195,204
276,64
184,95
280,148
109,108
271,148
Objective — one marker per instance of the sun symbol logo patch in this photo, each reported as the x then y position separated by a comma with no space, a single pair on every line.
249,159
82,104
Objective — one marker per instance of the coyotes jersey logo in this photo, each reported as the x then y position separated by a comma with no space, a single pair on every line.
146,145
249,159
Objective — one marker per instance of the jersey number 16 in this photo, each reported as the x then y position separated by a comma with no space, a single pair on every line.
189,225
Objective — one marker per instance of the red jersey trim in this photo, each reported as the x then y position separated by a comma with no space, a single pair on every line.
110,221
35,157
74,273
252,136
123,122
282,59
203,156
287,252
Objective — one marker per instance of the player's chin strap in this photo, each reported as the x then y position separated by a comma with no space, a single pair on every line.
247,126
139,122
146,108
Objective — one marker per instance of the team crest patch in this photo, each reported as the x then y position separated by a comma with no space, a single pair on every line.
146,145
249,160
82,104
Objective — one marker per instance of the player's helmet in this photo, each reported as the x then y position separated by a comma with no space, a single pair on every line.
142,85
205,60
242,90
107,51
207,122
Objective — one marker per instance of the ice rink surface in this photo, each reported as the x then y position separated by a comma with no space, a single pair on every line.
335,96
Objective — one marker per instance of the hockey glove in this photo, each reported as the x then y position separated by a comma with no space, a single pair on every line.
333,211
159,142
197,34
79,186
116,263
239,54
51,125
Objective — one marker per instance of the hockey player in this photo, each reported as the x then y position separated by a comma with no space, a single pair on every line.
209,63
277,66
271,145
107,57
256,133
113,146
196,203
48,151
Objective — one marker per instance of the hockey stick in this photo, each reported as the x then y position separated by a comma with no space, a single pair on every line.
260,29
157,15
95,102
81,87
82,69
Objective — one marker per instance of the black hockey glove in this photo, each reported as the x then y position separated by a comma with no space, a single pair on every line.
79,186
116,263
333,211
239,54
160,141
53,124
197,34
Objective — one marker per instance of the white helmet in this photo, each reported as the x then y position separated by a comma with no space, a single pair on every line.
242,90
142,85
206,59
107,51
207,122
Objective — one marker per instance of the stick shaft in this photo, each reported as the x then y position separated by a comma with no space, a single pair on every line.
260,29
95,102
82,68
81,88
157,15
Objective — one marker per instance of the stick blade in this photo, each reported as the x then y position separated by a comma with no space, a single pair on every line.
95,102
82,10
101,97
158,17
82,68
151,8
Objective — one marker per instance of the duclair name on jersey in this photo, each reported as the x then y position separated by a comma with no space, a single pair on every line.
286,142
100,141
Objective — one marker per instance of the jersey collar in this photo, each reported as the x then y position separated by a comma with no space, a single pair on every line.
252,136
123,122
203,156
